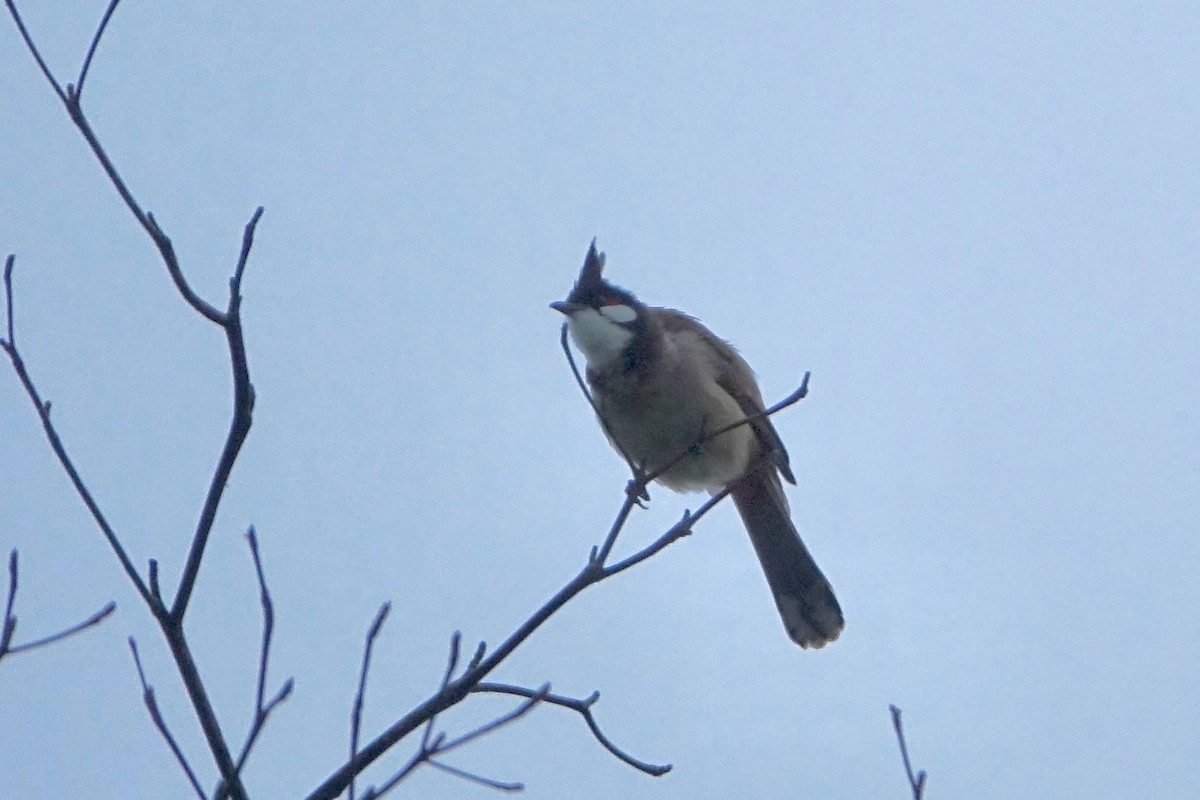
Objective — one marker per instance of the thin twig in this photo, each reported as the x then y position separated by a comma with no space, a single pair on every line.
42,407
491,783
235,283
29,45
161,724
584,708
70,98
87,62
8,301
600,556
915,782
356,712
373,793
268,612
94,619
10,621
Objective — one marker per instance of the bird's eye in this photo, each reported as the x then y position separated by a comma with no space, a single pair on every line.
619,313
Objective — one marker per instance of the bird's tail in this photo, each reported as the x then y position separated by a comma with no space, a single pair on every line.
810,612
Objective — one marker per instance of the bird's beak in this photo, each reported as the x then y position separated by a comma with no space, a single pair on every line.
565,307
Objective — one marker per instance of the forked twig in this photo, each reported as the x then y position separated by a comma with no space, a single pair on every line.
584,708
262,706
10,620
677,531
433,746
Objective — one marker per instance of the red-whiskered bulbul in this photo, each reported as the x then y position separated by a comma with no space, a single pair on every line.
661,383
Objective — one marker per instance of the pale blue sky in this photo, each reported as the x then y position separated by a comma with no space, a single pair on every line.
977,224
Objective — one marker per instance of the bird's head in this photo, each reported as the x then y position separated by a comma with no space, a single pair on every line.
603,319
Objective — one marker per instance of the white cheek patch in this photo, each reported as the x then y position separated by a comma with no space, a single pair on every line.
619,313
600,339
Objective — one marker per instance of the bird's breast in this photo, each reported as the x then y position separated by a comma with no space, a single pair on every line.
654,422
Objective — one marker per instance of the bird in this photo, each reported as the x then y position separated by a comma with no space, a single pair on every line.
662,383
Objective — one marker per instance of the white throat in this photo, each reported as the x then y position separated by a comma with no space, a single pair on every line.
601,339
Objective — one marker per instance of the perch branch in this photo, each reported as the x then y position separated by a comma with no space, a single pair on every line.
453,691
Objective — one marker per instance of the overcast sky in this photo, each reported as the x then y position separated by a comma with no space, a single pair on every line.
977,224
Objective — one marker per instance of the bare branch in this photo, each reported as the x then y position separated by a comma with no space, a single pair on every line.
915,782
172,629
70,98
171,622
584,708
156,715
87,62
356,713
